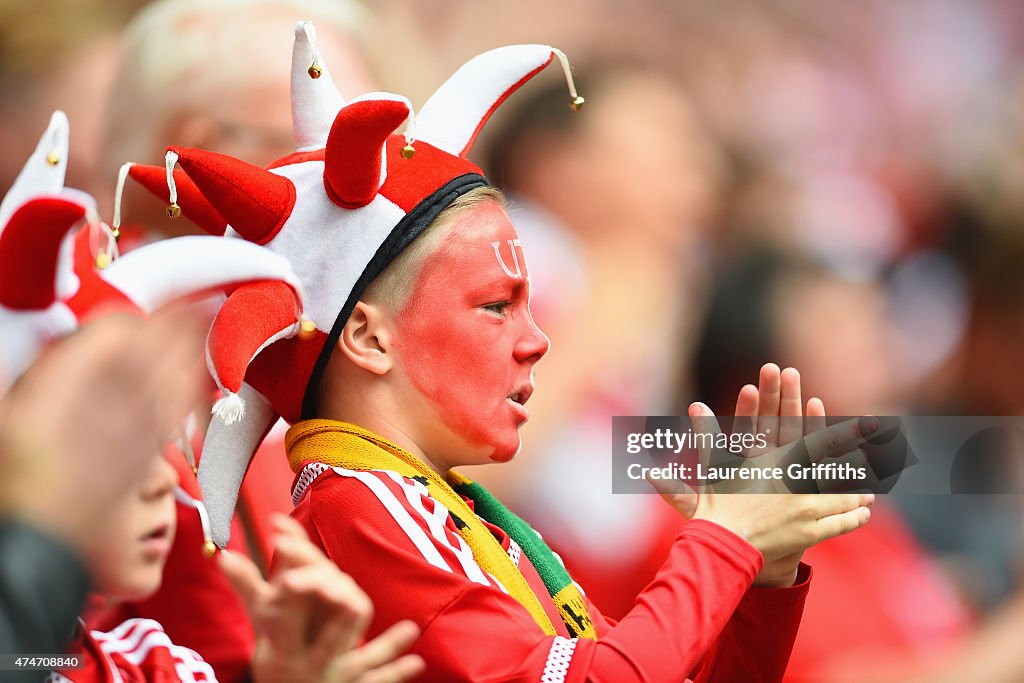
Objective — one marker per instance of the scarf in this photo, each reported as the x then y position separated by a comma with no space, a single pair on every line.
339,444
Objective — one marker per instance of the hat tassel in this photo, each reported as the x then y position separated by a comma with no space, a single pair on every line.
230,407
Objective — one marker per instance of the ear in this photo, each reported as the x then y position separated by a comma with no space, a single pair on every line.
366,339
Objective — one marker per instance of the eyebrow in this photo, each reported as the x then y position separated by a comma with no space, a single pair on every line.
498,286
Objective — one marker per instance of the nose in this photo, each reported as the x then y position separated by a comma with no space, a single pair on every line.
160,479
532,346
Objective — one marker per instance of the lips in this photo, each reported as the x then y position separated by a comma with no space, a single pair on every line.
517,400
521,395
157,542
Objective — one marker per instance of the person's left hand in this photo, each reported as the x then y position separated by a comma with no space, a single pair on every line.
775,407
775,410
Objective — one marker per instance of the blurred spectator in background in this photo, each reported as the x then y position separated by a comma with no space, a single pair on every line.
207,73
58,54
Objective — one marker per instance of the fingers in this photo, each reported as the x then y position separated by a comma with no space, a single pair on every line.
746,402
791,425
402,669
843,523
338,635
292,547
769,399
245,578
288,619
839,438
704,422
669,487
287,526
326,605
839,503
346,611
856,458
297,610
815,415
289,613
746,410
358,664
677,494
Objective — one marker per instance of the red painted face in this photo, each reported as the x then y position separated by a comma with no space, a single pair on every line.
468,342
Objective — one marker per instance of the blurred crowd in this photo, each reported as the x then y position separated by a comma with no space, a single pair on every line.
837,187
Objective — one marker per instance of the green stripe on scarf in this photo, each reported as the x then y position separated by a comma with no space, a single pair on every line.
563,591
551,571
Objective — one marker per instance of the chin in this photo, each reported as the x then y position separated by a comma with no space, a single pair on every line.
506,453
142,583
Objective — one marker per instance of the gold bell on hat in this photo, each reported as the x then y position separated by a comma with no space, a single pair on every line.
314,71
307,328
53,158
408,151
173,211
576,103
209,548
103,260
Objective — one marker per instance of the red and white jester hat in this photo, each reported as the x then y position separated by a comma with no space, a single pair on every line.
353,196
49,279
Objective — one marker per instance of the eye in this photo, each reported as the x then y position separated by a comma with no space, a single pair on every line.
498,307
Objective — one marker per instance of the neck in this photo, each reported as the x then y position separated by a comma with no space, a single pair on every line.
363,414
372,403
384,426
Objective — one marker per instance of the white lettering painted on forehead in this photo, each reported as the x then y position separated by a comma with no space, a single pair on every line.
512,244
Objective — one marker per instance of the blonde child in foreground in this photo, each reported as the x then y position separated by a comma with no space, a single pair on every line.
308,618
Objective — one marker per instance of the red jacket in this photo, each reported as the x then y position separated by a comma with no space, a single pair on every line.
699,618
136,650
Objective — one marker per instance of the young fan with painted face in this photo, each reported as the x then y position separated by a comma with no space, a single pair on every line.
458,298
419,359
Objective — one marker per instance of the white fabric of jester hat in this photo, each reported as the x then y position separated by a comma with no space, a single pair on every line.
220,478
43,173
317,101
455,113
202,263
328,246
24,333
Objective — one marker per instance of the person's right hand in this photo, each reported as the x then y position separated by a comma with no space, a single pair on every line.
310,617
85,422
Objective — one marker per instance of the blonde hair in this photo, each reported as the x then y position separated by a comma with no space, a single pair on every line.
391,289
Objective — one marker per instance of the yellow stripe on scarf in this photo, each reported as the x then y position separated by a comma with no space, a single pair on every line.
340,444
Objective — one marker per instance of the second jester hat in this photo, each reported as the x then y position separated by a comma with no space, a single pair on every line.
341,208
49,282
